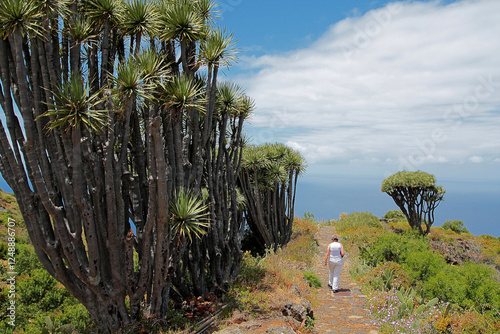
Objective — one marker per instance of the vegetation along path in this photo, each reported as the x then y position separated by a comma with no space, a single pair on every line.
345,311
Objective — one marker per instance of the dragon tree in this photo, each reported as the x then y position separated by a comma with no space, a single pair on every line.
114,144
417,195
268,179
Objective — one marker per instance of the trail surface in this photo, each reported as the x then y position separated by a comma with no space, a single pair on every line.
345,311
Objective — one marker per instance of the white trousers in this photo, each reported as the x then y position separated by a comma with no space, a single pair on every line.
334,267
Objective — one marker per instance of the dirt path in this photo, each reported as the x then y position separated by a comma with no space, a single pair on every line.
345,311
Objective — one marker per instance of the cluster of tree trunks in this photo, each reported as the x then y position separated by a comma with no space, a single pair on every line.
268,178
101,134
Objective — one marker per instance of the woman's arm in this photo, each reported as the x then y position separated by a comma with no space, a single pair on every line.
327,255
342,253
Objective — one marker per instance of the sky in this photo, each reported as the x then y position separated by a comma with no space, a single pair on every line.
364,89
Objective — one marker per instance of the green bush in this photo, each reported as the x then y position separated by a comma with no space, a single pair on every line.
456,226
72,316
26,259
73,312
313,280
411,252
423,264
391,247
252,271
22,250
468,285
39,291
40,296
357,219
394,214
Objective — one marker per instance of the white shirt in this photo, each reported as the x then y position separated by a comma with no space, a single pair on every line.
335,248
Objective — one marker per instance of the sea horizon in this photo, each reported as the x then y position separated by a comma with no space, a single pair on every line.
476,204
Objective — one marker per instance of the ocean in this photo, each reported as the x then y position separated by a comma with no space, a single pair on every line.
477,204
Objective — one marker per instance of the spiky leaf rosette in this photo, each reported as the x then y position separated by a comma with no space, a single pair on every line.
20,15
188,216
73,106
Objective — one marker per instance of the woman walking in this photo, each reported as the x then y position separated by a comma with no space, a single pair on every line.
333,259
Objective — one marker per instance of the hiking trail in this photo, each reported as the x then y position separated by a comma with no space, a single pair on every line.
345,311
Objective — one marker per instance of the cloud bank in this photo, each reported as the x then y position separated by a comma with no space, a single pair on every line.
403,85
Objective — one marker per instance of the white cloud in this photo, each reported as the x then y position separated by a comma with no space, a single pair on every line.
414,82
476,159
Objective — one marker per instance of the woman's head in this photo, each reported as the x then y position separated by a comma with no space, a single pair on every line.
335,237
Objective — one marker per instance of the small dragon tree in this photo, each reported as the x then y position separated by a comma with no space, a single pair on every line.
268,179
417,195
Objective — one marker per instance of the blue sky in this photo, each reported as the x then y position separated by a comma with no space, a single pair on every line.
366,88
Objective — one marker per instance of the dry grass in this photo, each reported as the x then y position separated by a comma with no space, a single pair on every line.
267,284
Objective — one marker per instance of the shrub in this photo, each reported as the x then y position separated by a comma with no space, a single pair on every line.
387,276
394,214
26,259
468,285
423,264
252,271
71,319
357,219
490,243
249,300
304,227
40,296
10,210
358,268
457,226
490,250
39,291
391,247
362,235
441,234
302,246
412,253
473,322
308,216
400,226
75,314
313,280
